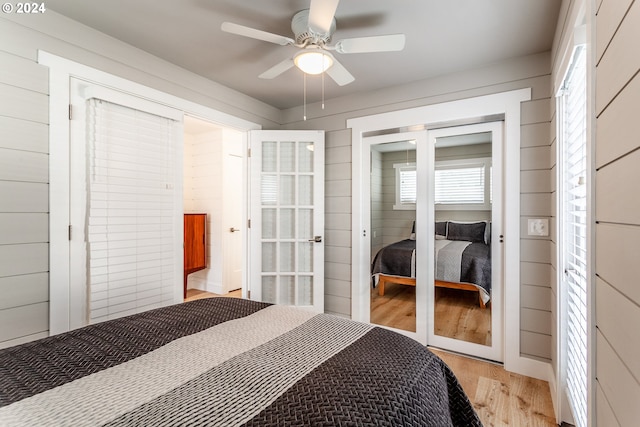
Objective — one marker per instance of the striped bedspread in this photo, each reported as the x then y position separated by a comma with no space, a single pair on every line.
229,362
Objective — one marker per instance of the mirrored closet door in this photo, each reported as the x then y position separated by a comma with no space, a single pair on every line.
397,299
462,184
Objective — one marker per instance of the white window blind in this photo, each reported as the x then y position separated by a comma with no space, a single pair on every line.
408,185
130,229
575,233
460,184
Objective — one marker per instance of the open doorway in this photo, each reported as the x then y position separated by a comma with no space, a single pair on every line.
213,189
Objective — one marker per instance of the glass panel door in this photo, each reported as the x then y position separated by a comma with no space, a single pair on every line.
287,215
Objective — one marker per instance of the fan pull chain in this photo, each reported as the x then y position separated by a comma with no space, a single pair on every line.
323,73
304,96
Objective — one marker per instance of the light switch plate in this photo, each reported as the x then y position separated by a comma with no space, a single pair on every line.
538,226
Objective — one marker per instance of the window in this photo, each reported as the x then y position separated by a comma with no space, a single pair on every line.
406,183
574,249
459,185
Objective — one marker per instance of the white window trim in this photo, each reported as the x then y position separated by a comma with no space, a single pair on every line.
580,22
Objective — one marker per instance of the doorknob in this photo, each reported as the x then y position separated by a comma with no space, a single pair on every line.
233,230
316,239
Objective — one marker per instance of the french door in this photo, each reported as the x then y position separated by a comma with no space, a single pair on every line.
286,256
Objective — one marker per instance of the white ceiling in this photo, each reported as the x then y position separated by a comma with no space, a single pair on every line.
442,36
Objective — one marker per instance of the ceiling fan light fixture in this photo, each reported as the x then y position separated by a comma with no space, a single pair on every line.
313,61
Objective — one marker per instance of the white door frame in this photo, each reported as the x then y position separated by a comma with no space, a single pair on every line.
60,72
420,137
495,350
506,105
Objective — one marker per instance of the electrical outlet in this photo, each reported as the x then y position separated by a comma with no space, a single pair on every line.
538,226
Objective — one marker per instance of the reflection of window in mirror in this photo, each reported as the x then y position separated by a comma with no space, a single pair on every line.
405,186
459,184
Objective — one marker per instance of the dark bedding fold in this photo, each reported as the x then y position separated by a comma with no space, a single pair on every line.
395,259
51,362
391,389
476,266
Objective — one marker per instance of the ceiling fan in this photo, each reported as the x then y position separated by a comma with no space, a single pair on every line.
312,29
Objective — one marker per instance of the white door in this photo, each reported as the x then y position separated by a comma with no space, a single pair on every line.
286,264
233,226
492,314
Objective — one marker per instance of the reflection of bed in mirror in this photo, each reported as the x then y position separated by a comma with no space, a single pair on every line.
462,260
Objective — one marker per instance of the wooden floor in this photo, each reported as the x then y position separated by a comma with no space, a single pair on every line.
396,308
502,398
457,313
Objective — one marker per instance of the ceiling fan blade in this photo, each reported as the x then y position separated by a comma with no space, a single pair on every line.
277,69
241,30
339,74
321,13
389,43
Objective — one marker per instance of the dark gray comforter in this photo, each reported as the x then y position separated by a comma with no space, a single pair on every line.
226,362
475,263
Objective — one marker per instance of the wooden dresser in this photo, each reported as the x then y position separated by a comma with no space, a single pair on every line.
195,253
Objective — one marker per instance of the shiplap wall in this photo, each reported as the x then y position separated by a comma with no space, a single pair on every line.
537,253
24,200
396,224
376,203
617,206
337,223
526,72
24,145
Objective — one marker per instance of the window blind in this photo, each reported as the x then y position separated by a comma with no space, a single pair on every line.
575,233
408,185
130,229
460,184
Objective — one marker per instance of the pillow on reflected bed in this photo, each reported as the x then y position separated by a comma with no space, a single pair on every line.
473,232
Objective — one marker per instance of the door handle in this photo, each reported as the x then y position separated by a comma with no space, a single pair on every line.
233,230
316,239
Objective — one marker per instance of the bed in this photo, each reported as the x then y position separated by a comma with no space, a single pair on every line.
462,260
229,362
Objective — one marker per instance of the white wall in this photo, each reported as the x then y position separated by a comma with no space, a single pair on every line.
24,145
536,184
205,187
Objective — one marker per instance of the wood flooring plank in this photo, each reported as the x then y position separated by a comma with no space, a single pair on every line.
492,402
